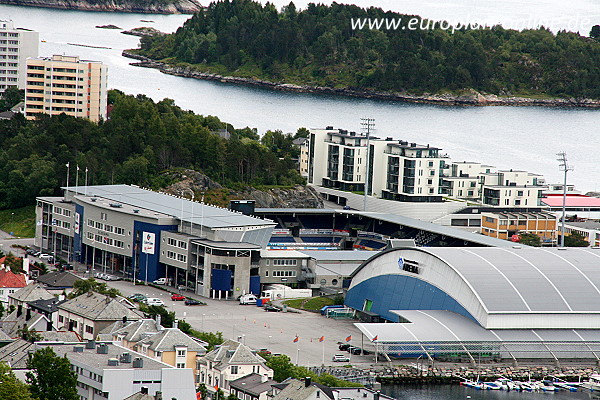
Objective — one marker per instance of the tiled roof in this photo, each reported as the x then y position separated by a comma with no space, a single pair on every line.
98,307
13,322
233,353
59,336
297,390
8,279
49,306
138,330
169,338
59,279
31,292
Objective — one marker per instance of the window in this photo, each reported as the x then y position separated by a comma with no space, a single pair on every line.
180,353
234,369
90,222
61,318
284,273
266,273
89,329
119,231
171,242
180,365
99,225
285,262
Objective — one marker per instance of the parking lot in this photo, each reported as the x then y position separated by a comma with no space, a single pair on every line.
259,329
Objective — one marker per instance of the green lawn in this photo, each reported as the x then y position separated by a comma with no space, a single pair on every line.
20,221
313,303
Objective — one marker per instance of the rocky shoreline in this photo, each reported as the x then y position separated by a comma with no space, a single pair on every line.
472,99
177,7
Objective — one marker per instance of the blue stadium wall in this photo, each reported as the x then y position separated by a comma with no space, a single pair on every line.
400,292
149,267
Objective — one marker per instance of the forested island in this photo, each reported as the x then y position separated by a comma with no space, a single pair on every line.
317,48
137,6
143,142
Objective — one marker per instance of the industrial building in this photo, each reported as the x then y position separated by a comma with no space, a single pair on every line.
516,302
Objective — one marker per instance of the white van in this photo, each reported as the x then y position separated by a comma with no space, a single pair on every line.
160,281
248,299
153,301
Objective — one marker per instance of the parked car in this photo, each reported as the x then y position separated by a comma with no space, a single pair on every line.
138,297
46,257
340,358
108,277
30,252
160,281
177,297
344,346
153,301
271,308
192,302
68,267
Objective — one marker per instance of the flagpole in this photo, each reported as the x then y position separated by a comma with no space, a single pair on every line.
323,343
68,170
86,171
77,177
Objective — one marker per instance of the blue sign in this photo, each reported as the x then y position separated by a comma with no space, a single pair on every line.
401,263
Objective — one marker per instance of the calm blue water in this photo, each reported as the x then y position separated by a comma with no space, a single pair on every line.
457,392
507,137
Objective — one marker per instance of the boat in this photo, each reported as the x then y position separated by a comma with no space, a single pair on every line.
547,386
491,386
565,386
472,384
593,384
505,383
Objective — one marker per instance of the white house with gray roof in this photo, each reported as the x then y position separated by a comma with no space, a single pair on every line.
31,292
228,362
90,313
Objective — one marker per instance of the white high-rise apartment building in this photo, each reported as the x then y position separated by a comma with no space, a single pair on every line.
66,84
16,45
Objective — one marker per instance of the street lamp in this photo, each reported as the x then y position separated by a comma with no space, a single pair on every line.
203,322
564,166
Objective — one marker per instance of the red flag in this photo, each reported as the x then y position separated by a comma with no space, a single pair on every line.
321,338
296,339
375,338
349,338
216,387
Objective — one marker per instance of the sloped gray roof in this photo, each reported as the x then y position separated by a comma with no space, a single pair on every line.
137,330
98,307
233,353
15,354
49,306
169,338
59,279
297,390
253,384
106,334
32,292
13,322
59,336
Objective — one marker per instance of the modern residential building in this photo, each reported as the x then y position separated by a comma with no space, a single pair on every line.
16,45
136,232
90,313
486,185
403,171
303,145
504,225
66,84
228,362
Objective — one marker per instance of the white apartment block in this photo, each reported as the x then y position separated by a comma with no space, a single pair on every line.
16,45
66,84
398,170
484,184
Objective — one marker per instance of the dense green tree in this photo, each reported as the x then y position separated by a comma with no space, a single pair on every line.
595,32
575,240
91,285
50,376
319,46
530,239
167,318
10,98
11,388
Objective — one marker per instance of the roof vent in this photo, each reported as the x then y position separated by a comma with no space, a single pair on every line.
125,358
136,211
93,199
102,348
138,362
77,349
116,205
91,344
113,362
329,128
561,248
413,145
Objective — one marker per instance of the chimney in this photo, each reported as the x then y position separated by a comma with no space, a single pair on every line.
19,310
376,395
124,319
307,381
144,390
28,315
158,326
264,378
158,395
49,326
26,267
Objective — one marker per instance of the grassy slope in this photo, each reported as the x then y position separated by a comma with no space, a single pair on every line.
20,221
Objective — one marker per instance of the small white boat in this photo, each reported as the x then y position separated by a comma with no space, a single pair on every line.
491,386
547,386
593,384
505,383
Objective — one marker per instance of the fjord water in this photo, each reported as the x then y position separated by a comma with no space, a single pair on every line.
507,137
456,392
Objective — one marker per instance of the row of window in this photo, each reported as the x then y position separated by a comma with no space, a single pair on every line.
62,211
277,274
108,228
176,256
285,262
106,240
10,34
177,243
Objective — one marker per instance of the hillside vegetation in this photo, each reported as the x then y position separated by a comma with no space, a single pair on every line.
141,139
318,46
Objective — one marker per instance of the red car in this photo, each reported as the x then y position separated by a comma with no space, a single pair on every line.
177,297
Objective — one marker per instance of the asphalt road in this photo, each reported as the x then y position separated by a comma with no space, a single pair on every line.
260,329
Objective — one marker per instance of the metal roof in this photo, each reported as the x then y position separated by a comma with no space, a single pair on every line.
446,326
185,210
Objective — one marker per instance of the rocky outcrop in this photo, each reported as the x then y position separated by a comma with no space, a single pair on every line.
143,31
150,7
470,98
299,196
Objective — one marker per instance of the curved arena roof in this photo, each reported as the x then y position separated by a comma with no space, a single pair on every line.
497,287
